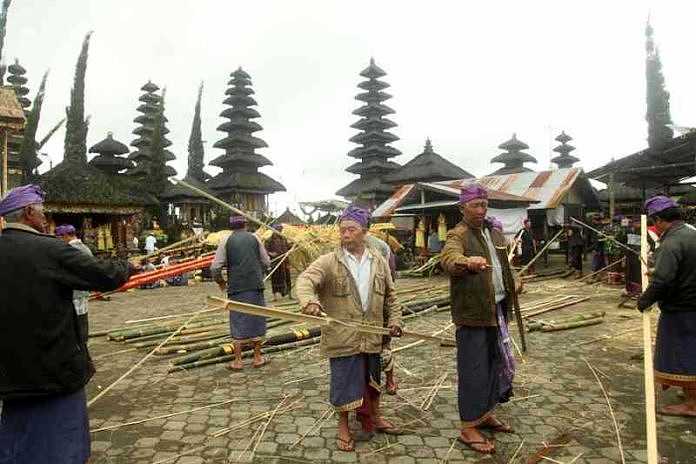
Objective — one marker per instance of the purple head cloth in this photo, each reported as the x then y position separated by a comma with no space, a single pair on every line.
278,227
659,203
472,192
357,214
65,229
494,223
237,221
20,197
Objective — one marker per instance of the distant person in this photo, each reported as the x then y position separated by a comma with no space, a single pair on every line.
68,234
44,361
673,288
150,243
136,243
434,243
277,247
180,280
576,248
528,245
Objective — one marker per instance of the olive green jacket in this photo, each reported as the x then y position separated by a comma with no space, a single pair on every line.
329,283
473,300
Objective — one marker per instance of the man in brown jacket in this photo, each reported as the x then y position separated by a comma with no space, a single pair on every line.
481,286
353,284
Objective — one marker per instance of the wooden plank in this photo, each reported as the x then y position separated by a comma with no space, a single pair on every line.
650,419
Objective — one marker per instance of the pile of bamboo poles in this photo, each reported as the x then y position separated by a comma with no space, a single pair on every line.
207,340
564,323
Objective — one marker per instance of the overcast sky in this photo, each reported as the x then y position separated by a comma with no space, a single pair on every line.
466,74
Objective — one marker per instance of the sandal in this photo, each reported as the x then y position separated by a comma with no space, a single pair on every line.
497,427
391,388
262,363
345,445
474,445
232,367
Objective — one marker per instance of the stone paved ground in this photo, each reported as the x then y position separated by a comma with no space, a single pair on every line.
556,396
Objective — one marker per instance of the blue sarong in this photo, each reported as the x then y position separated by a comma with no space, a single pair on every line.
485,368
247,327
675,349
47,430
355,385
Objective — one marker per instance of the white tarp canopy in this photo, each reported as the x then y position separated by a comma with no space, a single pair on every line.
512,219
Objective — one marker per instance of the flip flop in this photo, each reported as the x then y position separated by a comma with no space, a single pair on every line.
499,427
389,429
262,363
391,389
472,445
345,445
665,412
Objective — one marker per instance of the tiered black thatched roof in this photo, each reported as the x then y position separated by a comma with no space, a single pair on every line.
75,185
150,110
564,159
18,81
240,163
107,159
427,167
374,152
514,158
288,217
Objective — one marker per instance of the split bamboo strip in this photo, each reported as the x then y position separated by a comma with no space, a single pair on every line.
449,451
541,252
138,364
428,400
650,419
559,306
608,237
328,413
420,342
265,426
512,459
606,337
611,410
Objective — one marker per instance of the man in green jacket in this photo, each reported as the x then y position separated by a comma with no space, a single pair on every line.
673,288
353,283
481,286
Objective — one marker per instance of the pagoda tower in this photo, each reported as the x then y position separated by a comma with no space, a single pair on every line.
149,109
374,151
564,159
108,159
240,181
513,158
15,166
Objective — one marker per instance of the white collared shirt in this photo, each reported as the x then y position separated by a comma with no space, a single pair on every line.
361,269
498,283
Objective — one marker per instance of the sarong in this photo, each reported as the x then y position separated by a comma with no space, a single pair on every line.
599,260
633,276
355,385
485,367
247,327
45,430
575,257
280,279
675,350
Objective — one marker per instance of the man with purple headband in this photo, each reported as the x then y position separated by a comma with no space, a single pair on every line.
246,260
44,361
481,286
353,283
68,234
673,288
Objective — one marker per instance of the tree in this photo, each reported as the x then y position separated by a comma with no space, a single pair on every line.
195,145
76,125
658,113
3,28
29,150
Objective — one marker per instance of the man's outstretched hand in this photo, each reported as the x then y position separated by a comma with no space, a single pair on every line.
313,309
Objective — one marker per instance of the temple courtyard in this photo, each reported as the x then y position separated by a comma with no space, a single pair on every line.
280,412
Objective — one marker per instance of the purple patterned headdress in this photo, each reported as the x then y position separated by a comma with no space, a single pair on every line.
20,197
494,223
472,192
356,214
237,221
659,203
65,229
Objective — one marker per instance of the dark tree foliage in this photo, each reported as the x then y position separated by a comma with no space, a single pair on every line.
658,113
29,150
3,29
195,145
76,125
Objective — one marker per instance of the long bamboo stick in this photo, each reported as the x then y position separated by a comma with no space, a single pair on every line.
555,307
538,255
650,419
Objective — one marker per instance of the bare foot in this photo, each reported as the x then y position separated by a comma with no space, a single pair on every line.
260,362
473,439
235,366
495,425
384,426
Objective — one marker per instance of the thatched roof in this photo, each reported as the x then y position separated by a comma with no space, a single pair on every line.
11,113
176,193
288,218
371,186
247,181
73,183
109,146
427,167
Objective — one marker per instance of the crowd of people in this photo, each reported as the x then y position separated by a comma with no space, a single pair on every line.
45,362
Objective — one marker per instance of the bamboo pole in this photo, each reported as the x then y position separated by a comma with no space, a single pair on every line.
4,181
650,419
538,255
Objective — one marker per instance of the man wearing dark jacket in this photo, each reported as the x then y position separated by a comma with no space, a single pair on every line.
673,288
481,285
44,363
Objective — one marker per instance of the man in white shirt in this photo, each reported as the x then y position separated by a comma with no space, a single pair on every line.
150,243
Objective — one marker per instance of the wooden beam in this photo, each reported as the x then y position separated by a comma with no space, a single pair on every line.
4,180
650,419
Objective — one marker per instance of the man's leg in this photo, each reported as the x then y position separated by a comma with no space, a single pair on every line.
237,363
259,360
344,439
687,408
